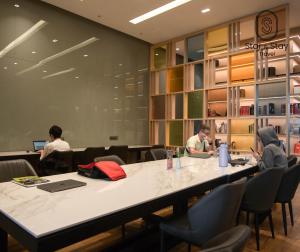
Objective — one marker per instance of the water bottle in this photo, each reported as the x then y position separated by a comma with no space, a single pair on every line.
178,164
169,160
223,155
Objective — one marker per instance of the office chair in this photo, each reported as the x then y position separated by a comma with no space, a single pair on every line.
114,158
286,192
260,196
214,214
91,153
292,160
119,150
15,168
57,162
233,240
156,154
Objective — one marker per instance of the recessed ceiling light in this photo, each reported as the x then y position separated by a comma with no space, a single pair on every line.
156,54
205,10
85,55
16,63
17,5
44,71
159,10
5,68
77,77
177,49
120,64
54,40
33,52
116,87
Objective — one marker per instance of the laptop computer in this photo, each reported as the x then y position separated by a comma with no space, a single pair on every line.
61,185
39,144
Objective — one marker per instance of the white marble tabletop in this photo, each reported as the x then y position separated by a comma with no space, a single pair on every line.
41,213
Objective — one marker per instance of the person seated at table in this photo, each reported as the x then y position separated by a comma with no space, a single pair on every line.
200,143
273,155
56,143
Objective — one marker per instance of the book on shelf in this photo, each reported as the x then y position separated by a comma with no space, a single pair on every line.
29,181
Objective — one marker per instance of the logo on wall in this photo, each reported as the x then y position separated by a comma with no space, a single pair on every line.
266,25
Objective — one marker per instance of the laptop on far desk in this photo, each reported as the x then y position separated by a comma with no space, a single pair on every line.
39,144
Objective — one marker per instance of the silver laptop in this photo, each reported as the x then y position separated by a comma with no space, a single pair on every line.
39,144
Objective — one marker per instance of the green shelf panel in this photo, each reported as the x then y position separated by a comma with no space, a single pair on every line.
176,133
160,57
195,104
161,133
179,106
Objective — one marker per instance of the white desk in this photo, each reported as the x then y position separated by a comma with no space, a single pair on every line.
39,213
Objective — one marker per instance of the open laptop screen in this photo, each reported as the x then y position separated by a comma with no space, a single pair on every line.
39,145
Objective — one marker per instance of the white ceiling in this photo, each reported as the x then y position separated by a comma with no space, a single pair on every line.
179,21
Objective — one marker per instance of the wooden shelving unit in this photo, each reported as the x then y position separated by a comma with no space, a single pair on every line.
212,77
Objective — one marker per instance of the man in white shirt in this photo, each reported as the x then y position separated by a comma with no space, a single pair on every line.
56,144
200,142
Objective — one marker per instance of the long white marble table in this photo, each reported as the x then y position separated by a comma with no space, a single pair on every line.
44,221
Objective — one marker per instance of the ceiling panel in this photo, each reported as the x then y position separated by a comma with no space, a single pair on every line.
184,19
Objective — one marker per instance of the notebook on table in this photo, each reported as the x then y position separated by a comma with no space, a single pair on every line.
29,181
61,185
200,155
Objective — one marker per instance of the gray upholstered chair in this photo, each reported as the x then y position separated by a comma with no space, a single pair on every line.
120,162
292,160
214,214
15,168
233,240
110,158
260,196
286,192
119,150
91,153
156,154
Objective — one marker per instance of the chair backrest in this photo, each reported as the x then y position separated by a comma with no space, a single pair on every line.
91,153
233,240
292,160
159,154
119,150
216,212
58,162
158,146
110,158
15,168
262,189
289,184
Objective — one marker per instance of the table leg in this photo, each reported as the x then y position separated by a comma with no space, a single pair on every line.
3,241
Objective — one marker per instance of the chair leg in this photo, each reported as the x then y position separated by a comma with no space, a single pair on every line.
271,225
284,218
162,241
238,217
189,247
3,240
291,212
247,218
256,219
123,231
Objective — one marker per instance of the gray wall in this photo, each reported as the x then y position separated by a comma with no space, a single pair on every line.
109,97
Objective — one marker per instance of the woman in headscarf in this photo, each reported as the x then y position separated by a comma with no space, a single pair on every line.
273,155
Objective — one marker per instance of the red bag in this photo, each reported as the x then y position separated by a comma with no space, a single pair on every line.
297,148
103,169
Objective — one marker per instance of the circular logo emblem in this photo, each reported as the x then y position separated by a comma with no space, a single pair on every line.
266,25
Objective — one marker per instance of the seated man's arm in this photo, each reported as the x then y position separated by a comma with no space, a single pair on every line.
47,150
